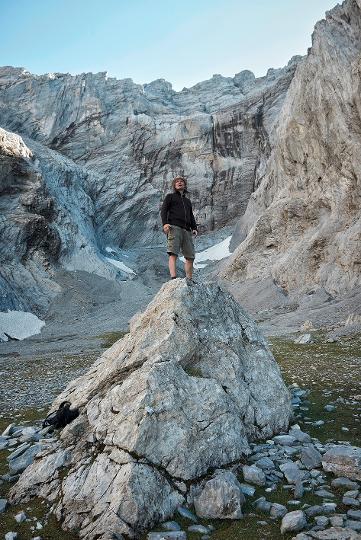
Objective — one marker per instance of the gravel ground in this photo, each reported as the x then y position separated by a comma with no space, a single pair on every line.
35,383
89,314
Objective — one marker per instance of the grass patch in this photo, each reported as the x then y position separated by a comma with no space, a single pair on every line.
3,468
193,371
109,338
332,373
22,417
35,510
245,528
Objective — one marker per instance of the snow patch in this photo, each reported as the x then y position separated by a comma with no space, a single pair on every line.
19,325
120,265
214,253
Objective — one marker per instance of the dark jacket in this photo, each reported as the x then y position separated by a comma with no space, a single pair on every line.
177,210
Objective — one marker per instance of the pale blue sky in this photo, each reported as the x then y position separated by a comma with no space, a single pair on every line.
182,41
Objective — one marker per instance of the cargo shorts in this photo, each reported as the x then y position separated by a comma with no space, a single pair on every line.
179,239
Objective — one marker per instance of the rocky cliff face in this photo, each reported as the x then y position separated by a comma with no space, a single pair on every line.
136,138
46,221
182,394
302,227
281,151
103,155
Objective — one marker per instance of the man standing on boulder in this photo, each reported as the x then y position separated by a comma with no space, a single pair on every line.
179,225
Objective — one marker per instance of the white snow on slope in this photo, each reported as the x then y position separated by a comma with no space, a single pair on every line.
19,324
214,253
120,265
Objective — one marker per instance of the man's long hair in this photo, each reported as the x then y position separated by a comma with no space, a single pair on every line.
180,178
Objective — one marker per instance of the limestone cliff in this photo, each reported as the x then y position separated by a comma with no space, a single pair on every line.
46,221
137,137
103,154
302,227
278,155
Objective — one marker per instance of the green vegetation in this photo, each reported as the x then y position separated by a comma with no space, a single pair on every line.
35,510
246,528
332,373
109,338
193,371
22,417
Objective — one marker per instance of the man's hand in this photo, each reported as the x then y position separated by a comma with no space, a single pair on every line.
166,228
195,232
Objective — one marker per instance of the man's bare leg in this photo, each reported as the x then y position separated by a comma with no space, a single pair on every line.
172,265
188,267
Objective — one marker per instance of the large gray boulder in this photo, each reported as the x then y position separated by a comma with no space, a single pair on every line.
221,498
183,393
343,461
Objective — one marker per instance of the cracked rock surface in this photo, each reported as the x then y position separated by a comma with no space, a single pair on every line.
46,221
183,393
301,228
136,138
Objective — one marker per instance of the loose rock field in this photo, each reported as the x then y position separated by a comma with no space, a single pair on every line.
324,380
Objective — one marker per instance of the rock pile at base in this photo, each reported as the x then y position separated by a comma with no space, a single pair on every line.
181,395
291,467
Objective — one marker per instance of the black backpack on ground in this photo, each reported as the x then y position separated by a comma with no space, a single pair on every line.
63,416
